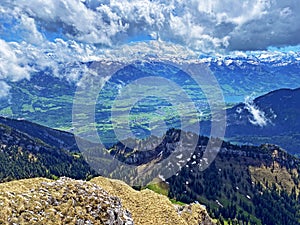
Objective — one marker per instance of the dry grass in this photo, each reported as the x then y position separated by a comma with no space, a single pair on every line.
275,174
37,201
148,207
194,213
21,186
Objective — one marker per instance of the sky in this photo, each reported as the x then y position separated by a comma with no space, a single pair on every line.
39,34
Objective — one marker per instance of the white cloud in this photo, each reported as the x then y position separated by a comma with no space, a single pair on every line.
257,117
13,65
4,89
200,25
277,26
30,32
55,34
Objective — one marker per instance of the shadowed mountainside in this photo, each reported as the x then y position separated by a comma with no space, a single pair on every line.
271,118
24,156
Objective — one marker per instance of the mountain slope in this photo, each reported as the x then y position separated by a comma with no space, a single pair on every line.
238,185
23,156
244,183
271,118
53,137
155,208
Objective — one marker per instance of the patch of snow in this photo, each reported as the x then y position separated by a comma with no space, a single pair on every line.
179,156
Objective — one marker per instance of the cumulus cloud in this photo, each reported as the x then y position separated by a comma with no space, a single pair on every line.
277,26
13,66
200,25
4,89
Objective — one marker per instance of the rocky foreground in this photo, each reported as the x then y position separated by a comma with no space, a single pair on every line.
68,201
148,207
64,201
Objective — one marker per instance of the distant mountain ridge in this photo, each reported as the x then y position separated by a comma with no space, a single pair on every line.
278,108
59,139
271,118
48,100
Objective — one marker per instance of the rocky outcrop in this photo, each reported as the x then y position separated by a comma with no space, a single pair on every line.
195,214
65,201
68,201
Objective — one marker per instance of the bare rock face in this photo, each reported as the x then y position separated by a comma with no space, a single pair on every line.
65,201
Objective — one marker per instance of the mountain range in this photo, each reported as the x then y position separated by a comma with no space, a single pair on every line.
48,100
244,183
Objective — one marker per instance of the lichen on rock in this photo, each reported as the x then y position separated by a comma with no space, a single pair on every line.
65,201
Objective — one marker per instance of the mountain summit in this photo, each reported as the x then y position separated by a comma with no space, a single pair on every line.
271,118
